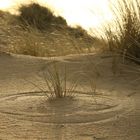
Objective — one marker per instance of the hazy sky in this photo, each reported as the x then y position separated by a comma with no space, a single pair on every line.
87,13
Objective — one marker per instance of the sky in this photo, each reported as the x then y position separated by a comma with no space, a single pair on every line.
86,13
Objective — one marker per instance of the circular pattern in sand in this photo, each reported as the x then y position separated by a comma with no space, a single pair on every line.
84,108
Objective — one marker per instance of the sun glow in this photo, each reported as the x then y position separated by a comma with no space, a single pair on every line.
86,13
4,4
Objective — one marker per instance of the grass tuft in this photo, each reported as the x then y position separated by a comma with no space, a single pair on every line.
57,82
125,38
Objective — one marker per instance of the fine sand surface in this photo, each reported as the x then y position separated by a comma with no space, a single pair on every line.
111,112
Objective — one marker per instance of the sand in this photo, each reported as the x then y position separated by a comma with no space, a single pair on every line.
111,112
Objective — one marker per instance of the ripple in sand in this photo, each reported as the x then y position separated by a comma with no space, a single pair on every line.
84,108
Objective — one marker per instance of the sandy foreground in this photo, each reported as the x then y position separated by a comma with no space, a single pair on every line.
112,112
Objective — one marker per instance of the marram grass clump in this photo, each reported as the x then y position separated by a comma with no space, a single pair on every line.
56,82
125,38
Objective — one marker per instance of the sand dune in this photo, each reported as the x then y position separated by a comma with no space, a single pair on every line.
110,113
